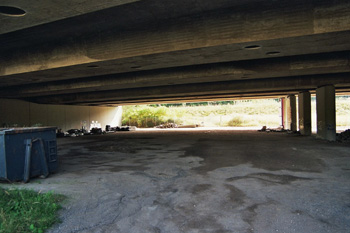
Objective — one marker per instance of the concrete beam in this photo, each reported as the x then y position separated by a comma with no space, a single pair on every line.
289,19
54,11
186,99
319,43
325,105
296,84
304,104
267,68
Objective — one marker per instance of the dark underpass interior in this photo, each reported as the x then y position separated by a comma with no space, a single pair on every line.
71,62
172,180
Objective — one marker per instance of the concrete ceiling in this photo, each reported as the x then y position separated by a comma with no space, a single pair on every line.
125,52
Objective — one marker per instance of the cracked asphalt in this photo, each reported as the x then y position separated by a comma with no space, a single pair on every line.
201,181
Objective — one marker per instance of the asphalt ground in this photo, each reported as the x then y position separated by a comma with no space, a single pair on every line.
170,180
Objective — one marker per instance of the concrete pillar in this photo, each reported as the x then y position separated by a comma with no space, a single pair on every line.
283,112
290,113
304,103
325,107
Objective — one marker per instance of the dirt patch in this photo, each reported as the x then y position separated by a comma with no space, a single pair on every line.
218,154
199,188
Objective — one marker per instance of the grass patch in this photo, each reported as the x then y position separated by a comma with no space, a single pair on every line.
238,113
28,211
244,113
235,121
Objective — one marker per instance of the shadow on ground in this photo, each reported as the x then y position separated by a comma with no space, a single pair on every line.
202,181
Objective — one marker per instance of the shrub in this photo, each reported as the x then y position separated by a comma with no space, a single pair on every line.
235,121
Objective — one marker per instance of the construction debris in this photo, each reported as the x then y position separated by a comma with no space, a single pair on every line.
173,125
93,130
265,129
167,125
187,126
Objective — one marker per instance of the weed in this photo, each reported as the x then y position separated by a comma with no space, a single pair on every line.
251,113
27,210
235,121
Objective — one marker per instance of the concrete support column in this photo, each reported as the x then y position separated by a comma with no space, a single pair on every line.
325,106
304,103
283,113
290,113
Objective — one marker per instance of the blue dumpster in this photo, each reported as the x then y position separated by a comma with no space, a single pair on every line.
27,152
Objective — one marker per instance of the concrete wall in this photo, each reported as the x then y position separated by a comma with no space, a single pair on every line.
65,117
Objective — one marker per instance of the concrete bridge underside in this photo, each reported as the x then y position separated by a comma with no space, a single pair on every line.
130,52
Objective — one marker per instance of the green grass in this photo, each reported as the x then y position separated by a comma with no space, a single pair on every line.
28,211
244,113
241,113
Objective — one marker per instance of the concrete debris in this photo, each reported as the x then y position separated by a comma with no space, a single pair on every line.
167,125
93,131
188,126
265,129
343,136
173,125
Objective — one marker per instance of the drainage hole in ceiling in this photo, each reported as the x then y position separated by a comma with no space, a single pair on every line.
93,66
273,53
252,47
11,11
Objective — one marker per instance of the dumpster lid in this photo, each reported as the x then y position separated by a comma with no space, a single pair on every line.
25,130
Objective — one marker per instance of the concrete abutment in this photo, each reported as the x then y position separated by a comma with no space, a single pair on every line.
65,117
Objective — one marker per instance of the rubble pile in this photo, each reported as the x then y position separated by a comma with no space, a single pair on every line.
265,129
93,131
167,125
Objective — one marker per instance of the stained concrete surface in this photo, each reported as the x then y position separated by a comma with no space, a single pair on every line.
202,181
